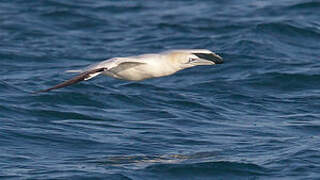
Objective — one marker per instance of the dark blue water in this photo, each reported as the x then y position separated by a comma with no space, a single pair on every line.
257,116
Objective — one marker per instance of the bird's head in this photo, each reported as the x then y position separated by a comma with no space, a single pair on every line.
193,57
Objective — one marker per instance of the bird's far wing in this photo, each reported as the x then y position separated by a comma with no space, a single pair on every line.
124,66
81,77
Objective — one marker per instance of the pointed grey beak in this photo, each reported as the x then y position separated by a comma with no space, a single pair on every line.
210,57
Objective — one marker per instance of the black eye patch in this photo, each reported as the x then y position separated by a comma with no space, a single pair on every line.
191,60
210,57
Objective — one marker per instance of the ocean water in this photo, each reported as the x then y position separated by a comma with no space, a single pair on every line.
257,116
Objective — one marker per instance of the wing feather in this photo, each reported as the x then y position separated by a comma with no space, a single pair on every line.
92,73
124,66
81,77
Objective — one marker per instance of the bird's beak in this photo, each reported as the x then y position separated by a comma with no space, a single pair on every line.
208,58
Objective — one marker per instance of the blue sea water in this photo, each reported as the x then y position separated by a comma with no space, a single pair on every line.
257,116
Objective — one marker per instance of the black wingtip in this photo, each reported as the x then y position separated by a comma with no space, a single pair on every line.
74,80
41,91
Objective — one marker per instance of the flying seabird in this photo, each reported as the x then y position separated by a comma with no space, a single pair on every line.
141,67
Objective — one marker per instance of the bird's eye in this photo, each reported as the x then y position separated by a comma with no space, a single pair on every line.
191,60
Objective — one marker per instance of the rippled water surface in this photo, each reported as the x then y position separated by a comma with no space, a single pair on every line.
257,116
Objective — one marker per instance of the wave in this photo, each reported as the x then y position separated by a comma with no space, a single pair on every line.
198,163
286,82
305,5
287,77
288,29
207,170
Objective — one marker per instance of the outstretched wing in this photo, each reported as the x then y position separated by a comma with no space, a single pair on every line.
92,73
81,77
124,66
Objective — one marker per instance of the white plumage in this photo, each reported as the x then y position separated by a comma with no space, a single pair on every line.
137,68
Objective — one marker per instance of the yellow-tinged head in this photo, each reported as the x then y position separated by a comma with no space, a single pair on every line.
193,57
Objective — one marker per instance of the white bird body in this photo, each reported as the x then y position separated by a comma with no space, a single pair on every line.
141,67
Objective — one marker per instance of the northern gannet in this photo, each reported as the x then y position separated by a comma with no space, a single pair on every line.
141,67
